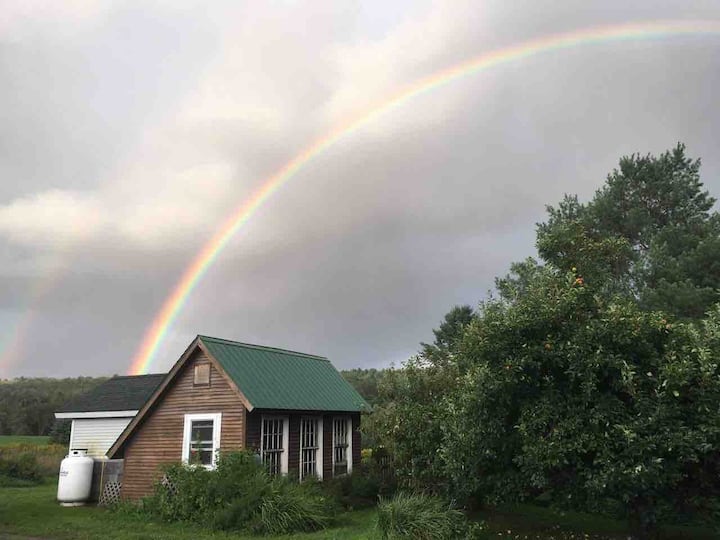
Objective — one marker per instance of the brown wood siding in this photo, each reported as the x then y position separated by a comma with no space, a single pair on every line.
254,429
158,439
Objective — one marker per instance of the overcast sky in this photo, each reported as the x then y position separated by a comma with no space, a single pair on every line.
130,130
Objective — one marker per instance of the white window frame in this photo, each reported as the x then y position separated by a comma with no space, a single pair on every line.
286,439
348,435
318,452
187,433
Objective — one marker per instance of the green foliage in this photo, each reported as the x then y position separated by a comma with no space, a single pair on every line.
288,507
29,460
27,405
448,334
60,432
21,467
24,440
411,424
34,513
366,382
239,495
360,489
649,233
601,405
573,387
417,516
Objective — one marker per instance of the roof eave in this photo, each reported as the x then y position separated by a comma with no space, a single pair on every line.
75,415
196,343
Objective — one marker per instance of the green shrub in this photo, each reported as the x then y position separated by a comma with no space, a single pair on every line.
182,495
239,495
417,516
60,432
45,458
357,490
289,507
23,467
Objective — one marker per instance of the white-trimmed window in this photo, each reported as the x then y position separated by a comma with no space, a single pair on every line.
342,445
311,438
201,439
273,449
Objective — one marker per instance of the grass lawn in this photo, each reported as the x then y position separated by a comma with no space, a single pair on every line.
33,512
39,440
525,521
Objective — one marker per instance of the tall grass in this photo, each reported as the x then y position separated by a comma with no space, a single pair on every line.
29,461
416,516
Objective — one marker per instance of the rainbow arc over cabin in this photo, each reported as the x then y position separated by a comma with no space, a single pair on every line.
203,260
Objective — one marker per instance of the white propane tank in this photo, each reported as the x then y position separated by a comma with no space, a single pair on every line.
75,478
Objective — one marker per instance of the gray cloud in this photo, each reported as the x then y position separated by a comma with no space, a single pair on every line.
130,134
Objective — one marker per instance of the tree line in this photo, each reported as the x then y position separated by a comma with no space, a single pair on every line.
27,405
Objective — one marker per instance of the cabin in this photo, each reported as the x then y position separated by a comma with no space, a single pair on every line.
99,416
294,410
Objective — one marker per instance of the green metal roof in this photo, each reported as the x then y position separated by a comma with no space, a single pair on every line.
278,379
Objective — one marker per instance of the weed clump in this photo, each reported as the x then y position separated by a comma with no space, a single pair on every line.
417,516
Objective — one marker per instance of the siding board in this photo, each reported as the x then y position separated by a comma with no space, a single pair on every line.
96,435
158,439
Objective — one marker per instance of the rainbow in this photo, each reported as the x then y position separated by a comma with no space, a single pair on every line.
12,342
174,304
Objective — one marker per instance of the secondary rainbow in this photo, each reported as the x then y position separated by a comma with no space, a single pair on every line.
209,253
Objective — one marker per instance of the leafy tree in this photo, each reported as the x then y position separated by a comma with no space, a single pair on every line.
593,380
516,283
450,331
649,232
27,405
410,423
597,405
366,382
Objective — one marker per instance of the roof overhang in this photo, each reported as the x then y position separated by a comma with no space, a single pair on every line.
195,345
95,414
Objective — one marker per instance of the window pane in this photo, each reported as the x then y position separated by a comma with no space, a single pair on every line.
308,447
340,446
201,430
272,444
201,442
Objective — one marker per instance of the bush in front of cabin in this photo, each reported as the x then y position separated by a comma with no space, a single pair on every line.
417,516
239,495
290,507
181,495
358,490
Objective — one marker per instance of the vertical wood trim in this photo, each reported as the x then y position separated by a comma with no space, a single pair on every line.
72,436
349,437
320,436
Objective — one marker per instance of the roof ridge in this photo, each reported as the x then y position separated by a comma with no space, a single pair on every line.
265,348
137,376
